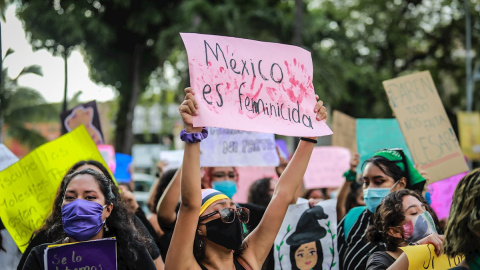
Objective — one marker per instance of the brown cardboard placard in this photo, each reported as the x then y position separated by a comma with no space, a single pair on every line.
425,125
469,133
344,131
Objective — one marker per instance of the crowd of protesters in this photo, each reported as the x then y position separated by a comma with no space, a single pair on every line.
194,223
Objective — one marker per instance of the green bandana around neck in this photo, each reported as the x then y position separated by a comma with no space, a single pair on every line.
394,155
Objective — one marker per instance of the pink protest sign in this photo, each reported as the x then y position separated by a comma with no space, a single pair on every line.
441,193
108,154
252,85
326,167
246,177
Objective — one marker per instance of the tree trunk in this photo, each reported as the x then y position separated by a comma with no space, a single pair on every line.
298,23
65,58
124,129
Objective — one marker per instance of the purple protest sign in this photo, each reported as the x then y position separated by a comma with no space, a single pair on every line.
442,193
96,254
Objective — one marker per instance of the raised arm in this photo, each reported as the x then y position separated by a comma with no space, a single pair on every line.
350,178
166,207
260,241
180,253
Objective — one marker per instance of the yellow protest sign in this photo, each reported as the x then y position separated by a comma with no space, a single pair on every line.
425,125
469,133
424,257
28,187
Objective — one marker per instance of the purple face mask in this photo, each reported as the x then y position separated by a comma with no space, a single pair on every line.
82,219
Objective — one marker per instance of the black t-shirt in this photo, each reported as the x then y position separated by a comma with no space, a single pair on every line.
35,260
355,249
41,238
379,260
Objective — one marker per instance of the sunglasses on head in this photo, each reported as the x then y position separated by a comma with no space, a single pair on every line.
227,215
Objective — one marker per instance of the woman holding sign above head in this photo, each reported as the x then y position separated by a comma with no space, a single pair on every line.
462,235
91,209
210,224
403,218
388,170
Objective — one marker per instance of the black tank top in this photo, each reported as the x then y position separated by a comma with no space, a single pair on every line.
238,266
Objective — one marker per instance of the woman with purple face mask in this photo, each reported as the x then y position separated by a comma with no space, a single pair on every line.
90,210
402,218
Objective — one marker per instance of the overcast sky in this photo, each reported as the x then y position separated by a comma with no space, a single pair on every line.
51,84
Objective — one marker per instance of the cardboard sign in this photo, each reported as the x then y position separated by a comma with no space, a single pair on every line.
173,159
326,167
7,158
108,153
424,257
96,254
308,237
425,125
252,85
123,169
87,115
229,147
469,133
246,177
345,128
441,193
377,134
28,187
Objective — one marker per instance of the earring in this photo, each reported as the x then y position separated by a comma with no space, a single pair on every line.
200,244
106,228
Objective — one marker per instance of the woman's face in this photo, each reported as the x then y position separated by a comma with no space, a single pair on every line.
223,173
412,207
374,177
220,204
306,256
85,187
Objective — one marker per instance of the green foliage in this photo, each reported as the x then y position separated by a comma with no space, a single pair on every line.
21,105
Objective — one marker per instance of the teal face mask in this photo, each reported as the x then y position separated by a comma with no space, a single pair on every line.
373,197
227,187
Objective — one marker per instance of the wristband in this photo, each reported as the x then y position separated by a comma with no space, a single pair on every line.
193,137
350,176
308,140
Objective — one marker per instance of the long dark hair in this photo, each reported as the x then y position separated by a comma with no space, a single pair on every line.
258,193
317,266
390,214
120,222
391,169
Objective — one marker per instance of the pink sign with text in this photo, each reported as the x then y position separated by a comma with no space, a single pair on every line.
441,193
326,167
246,177
252,85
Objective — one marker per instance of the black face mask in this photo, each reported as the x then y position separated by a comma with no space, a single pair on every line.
228,235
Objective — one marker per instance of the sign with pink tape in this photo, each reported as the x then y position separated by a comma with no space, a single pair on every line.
252,85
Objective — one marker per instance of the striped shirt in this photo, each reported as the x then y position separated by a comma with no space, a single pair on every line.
354,251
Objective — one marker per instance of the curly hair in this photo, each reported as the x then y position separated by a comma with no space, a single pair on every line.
120,222
463,227
258,193
391,169
390,214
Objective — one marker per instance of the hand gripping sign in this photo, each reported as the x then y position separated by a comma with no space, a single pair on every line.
252,85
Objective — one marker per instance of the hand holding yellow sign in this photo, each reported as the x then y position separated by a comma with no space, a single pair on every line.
28,187
424,257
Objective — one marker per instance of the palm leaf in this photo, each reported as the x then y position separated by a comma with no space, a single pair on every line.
33,69
29,137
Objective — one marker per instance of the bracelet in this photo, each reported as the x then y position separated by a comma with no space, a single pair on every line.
193,137
308,140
